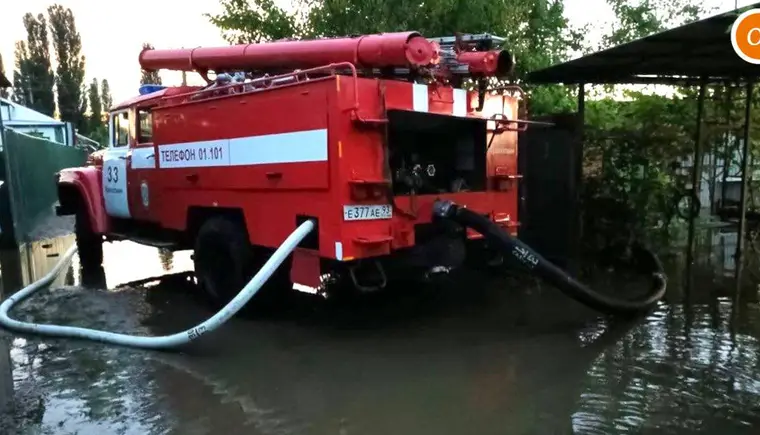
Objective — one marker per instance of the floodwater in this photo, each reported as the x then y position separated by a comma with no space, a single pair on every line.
494,356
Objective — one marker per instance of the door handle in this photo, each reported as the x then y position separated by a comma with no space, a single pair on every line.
192,178
150,156
123,157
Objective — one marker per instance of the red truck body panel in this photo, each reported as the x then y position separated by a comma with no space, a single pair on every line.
86,181
266,154
297,151
310,144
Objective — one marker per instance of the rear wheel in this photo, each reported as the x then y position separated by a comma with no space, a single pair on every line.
225,261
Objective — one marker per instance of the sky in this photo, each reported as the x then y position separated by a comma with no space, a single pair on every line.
113,32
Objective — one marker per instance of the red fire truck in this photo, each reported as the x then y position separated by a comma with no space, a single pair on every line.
360,135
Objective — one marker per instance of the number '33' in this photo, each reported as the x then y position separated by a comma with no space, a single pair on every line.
112,174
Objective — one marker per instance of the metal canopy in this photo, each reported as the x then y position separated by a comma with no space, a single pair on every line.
698,50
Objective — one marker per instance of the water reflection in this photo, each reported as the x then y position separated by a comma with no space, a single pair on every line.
506,356
65,386
27,264
679,372
33,261
127,262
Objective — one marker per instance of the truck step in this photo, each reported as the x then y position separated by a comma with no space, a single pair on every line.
144,240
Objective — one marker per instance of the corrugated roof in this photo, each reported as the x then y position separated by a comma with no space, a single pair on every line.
20,115
701,49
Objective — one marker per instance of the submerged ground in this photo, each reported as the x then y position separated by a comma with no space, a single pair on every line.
486,357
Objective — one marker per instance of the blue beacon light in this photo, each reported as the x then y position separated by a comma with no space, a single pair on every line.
149,89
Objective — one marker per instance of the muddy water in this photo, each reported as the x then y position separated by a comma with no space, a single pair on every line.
482,356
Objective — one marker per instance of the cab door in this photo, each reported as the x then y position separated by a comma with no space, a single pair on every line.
142,166
115,167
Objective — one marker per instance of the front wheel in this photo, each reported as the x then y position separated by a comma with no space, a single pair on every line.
89,244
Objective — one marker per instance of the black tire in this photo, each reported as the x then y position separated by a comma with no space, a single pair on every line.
89,244
693,207
225,261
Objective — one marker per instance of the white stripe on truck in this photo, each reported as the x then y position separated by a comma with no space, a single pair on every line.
143,158
295,147
460,102
421,100
420,97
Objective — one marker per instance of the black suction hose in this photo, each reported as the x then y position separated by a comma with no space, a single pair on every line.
555,276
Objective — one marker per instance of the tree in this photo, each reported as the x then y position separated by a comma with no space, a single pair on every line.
33,77
537,31
630,146
241,22
636,19
96,105
69,79
97,130
105,96
22,91
3,91
546,39
149,77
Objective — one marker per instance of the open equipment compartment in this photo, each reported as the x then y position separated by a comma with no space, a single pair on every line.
432,154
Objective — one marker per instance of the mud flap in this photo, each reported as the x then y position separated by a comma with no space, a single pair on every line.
306,268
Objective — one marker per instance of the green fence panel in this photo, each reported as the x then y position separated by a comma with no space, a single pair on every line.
30,165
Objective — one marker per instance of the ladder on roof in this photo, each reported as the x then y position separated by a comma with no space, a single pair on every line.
450,45
485,41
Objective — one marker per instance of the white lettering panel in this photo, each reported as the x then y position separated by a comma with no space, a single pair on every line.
195,154
293,147
115,182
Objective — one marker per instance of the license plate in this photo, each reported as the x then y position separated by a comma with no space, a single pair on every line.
366,212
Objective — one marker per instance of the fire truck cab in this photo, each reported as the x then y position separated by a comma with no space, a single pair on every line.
360,135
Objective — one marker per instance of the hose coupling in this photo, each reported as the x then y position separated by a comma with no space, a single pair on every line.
444,208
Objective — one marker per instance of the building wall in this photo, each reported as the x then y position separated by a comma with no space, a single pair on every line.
713,167
733,192
28,121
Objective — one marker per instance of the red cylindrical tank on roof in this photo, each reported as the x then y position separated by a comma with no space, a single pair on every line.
488,63
373,51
